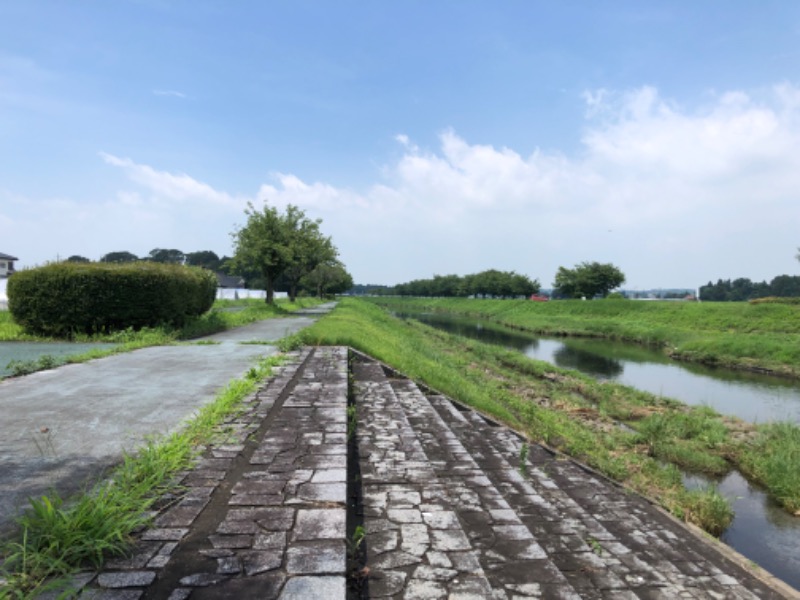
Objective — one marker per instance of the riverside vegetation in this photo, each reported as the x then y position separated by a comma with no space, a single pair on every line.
60,536
633,437
762,336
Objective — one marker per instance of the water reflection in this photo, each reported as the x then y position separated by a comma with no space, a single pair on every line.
32,351
762,530
753,397
587,362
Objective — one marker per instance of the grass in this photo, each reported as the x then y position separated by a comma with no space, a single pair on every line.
578,415
59,537
732,334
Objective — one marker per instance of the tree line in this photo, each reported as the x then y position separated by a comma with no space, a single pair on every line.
742,289
585,280
498,284
273,251
203,258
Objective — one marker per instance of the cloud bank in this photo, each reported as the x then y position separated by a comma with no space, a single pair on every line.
673,195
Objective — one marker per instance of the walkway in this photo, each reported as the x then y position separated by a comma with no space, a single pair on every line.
450,505
63,426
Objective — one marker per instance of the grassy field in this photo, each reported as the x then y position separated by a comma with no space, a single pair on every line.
579,415
730,334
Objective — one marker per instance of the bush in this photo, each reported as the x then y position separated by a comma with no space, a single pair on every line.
63,299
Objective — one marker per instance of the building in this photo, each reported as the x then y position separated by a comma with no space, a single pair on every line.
7,264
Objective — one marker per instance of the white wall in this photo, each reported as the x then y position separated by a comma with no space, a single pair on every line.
232,293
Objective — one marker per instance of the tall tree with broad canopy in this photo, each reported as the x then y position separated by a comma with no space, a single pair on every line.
588,280
276,244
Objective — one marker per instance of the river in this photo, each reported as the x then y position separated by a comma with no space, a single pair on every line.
761,530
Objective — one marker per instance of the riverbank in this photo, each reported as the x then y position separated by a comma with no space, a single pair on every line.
756,337
583,417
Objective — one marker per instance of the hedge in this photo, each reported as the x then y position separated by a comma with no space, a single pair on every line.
62,299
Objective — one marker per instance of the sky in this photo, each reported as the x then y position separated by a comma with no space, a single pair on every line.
430,136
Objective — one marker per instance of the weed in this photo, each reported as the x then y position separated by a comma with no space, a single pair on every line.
352,421
595,546
523,458
355,541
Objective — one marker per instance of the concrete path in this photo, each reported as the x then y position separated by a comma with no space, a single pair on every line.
449,505
64,426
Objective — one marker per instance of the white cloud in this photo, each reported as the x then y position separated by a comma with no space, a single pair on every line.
668,193
673,195
164,185
170,93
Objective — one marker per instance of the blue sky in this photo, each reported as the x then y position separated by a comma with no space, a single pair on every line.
431,137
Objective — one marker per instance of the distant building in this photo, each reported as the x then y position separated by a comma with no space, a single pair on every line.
7,264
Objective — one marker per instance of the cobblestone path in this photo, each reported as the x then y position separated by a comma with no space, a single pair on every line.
451,507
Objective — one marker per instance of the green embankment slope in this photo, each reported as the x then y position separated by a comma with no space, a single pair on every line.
730,334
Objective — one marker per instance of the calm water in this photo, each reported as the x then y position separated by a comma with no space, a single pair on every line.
25,351
761,530
751,396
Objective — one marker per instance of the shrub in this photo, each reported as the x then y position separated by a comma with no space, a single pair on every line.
63,299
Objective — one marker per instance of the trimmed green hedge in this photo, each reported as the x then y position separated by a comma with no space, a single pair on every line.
62,299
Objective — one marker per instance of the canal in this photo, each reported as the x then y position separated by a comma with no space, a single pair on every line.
761,530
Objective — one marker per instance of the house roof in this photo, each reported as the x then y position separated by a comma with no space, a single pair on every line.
7,257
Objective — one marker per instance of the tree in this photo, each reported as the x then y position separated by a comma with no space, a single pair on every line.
78,259
172,256
272,243
119,257
309,249
328,278
588,280
204,258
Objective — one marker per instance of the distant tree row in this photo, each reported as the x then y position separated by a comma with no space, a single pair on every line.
498,284
202,258
742,289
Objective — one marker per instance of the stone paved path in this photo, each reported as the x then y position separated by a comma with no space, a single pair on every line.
449,509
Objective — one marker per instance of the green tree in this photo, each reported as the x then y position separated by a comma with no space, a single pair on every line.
204,258
328,278
167,256
119,257
309,249
79,259
588,280
276,244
